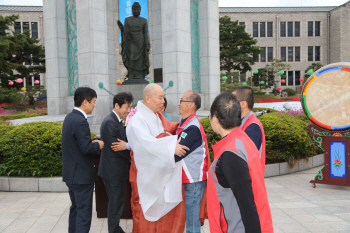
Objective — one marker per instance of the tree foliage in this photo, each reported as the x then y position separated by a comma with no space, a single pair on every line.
273,68
314,67
238,50
21,56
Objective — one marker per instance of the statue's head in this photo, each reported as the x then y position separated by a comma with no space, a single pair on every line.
136,9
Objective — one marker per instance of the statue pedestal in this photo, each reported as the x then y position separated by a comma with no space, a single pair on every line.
135,89
135,82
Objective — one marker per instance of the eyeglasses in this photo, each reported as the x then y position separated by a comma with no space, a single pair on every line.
185,101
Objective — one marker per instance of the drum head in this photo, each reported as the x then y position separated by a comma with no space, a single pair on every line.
326,97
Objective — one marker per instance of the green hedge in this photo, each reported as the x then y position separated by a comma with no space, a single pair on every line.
5,128
287,137
17,116
32,149
290,91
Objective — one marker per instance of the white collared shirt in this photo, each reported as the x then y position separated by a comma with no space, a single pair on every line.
85,115
127,144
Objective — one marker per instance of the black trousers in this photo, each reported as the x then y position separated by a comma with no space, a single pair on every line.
115,191
80,213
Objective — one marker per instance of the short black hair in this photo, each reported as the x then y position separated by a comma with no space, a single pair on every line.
122,98
245,93
83,93
227,109
196,98
165,103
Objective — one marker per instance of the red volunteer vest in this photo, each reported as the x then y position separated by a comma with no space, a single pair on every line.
185,179
251,120
219,217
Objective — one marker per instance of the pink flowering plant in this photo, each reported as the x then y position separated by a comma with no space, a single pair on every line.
128,118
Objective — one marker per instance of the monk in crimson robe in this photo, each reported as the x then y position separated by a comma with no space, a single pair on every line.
156,180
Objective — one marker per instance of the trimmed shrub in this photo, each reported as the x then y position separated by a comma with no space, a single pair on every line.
212,137
5,128
286,134
32,149
16,116
289,91
9,95
287,138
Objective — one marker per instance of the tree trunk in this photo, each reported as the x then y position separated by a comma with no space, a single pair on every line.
31,100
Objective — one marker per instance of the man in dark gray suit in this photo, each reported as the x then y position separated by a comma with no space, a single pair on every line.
114,165
78,161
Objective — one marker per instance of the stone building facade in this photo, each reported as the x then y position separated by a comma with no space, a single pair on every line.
299,36
30,18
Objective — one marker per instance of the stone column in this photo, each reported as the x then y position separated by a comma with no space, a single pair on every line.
157,34
93,52
176,48
209,50
55,27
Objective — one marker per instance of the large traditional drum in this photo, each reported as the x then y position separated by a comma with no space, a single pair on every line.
326,101
326,97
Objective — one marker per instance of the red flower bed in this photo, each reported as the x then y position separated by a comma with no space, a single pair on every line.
294,98
271,100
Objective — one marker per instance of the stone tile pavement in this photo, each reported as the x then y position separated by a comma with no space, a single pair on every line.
295,206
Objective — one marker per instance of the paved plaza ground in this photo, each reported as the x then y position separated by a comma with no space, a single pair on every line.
295,206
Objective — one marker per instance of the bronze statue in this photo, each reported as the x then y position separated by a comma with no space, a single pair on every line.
135,46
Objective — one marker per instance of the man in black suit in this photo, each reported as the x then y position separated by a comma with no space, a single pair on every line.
78,161
114,165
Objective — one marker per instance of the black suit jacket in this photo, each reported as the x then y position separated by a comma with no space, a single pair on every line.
77,150
114,165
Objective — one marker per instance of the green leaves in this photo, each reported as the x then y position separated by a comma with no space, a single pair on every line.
237,47
32,149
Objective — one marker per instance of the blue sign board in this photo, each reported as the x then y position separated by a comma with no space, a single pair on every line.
337,159
125,10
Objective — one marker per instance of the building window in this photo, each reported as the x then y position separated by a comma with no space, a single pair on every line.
262,29
25,26
290,78
290,29
297,54
317,28
297,29
283,53
255,29
317,53
263,54
35,30
290,53
310,28
269,29
283,29
241,23
310,53
269,54
18,27
297,78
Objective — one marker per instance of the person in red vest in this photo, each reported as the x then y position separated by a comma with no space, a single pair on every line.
236,194
250,123
194,162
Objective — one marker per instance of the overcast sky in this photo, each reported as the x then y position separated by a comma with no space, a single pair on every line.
222,3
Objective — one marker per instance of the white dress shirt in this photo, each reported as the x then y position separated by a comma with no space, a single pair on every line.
81,112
